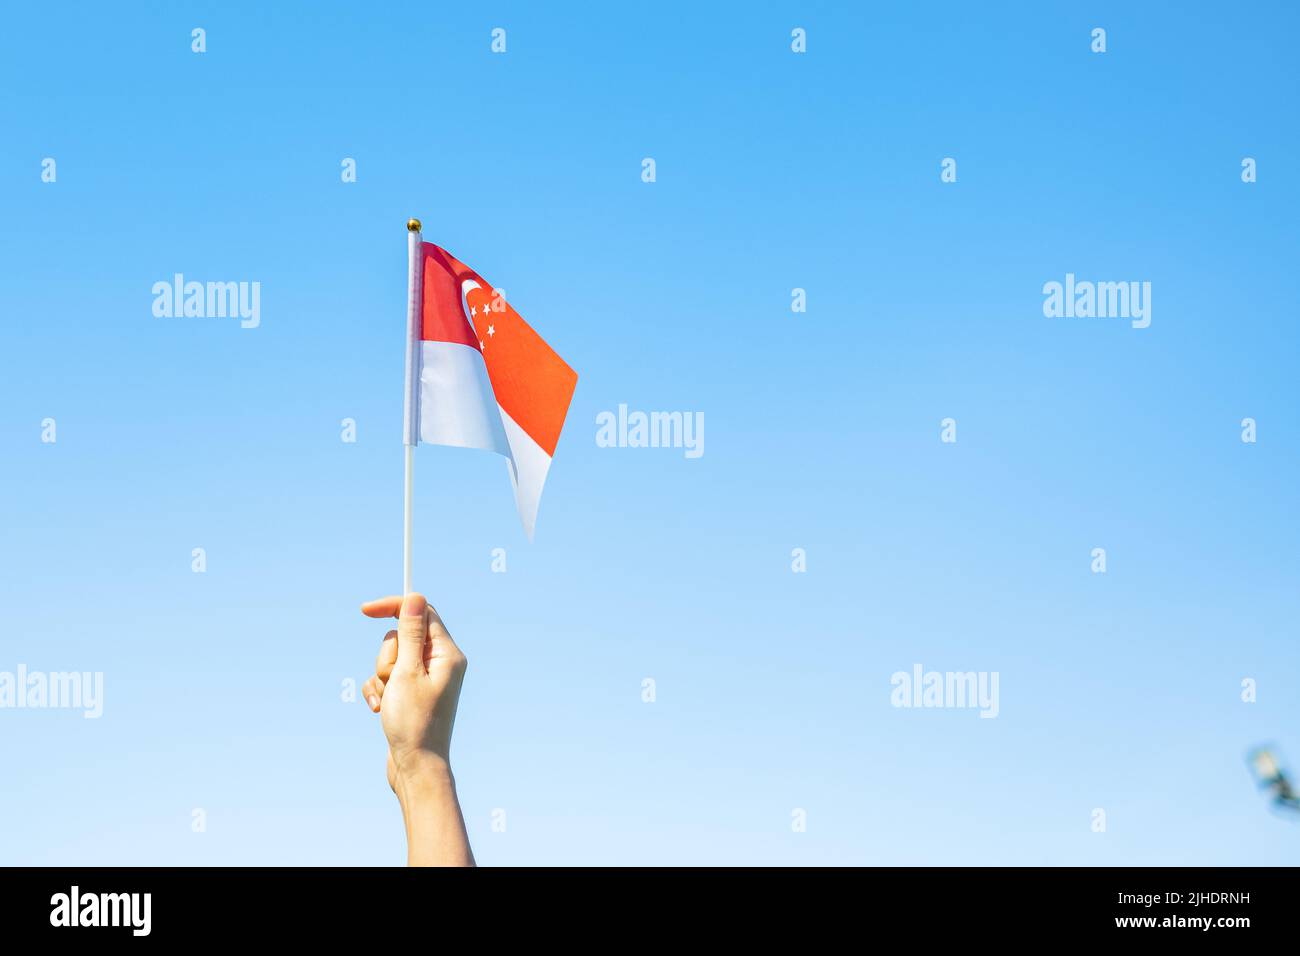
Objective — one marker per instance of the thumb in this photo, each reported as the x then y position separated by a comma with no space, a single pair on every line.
412,631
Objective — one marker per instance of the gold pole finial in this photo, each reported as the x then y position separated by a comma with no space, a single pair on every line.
412,225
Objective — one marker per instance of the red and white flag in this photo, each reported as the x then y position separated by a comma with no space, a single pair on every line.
478,376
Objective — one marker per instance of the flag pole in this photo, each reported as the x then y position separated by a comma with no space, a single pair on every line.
411,421
408,515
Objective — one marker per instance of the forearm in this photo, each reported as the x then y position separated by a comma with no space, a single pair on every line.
435,828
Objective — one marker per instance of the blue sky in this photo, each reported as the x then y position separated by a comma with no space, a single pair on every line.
775,170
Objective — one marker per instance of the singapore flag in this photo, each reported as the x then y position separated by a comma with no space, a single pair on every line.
478,376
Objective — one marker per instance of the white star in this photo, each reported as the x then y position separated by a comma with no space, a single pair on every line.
473,311
492,330
481,346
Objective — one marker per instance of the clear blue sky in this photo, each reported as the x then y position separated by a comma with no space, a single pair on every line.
774,171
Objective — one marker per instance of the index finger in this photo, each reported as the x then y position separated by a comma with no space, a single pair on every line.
383,607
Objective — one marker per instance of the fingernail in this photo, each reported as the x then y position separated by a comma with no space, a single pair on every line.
373,701
413,605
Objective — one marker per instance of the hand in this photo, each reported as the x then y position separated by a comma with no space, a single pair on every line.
416,685
415,689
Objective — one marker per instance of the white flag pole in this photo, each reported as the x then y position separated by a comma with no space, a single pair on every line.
408,510
411,422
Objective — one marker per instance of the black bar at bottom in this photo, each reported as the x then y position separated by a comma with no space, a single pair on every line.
482,907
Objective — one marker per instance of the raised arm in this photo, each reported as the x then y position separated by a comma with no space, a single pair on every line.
415,690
